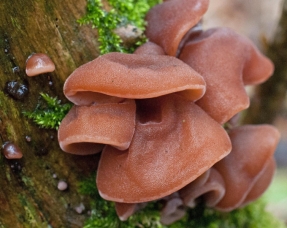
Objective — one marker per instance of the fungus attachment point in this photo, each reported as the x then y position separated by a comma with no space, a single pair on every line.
39,63
11,151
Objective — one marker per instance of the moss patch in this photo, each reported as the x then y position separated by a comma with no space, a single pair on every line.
122,13
103,214
48,114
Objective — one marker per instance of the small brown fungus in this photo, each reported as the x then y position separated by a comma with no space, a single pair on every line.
173,209
11,151
62,185
39,63
210,187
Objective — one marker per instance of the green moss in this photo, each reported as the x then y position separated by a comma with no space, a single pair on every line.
48,114
122,13
104,215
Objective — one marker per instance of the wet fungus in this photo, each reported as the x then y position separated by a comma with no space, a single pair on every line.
39,63
11,151
156,116
16,90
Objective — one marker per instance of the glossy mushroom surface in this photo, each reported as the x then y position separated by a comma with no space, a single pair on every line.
39,63
12,151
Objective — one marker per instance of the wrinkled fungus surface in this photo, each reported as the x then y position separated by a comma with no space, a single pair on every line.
157,117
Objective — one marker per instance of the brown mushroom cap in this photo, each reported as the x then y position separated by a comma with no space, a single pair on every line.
227,62
39,63
170,21
134,77
169,130
86,129
149,48
12,151
252,149
262,183
125,210
212,190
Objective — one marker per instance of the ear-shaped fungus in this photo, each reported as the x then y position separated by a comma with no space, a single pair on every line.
212,190
169,130
245,168
170,21
173,209
262,183
134,77
86,129
125,210
149,48
227,61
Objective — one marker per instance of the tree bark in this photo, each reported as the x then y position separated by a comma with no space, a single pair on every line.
270,97
29,196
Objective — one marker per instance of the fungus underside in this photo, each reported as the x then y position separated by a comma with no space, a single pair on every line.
122,13
103,214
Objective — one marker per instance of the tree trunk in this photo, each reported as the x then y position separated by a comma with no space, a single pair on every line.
270,97
29,196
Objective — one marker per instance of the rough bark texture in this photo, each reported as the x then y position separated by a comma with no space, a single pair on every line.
29,197
269,98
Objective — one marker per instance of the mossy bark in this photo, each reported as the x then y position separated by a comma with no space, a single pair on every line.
270,97
29,196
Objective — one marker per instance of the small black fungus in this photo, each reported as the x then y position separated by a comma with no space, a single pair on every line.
16,89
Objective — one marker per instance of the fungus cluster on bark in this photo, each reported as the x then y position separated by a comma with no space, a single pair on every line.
157,117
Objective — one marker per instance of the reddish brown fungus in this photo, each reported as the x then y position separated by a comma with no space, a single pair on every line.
170,21
243,167
134,77
86,129
146,171
125,210
212,190
173,209
225,71
39,63
149,48
12,151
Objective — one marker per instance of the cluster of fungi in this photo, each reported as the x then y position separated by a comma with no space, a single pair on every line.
157,116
